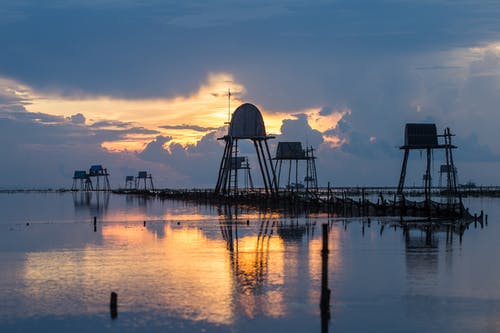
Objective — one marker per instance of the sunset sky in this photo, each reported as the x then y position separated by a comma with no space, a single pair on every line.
142,85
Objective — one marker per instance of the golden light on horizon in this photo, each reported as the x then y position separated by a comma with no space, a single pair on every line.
174,117
129,143
183,120
206,107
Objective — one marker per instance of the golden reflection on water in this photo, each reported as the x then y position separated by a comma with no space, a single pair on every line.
210,272
184,273
137,216
334,260
257,265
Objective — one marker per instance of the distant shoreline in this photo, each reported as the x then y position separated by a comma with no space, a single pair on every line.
476,191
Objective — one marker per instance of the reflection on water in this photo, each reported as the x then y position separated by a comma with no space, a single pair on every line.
192,268
148,273
96,203
422,258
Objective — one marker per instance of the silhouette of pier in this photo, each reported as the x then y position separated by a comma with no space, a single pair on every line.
298,198
324,201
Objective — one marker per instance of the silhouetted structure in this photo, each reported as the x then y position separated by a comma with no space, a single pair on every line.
447,170
146,179
101,175
246,124
129,182
242,163
293,152
425,137
81,178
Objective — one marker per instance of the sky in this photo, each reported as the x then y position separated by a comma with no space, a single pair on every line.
143,85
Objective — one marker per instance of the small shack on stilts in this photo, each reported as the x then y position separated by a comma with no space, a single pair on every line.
246,124
81,181
293,152
146,179
424,137
102,177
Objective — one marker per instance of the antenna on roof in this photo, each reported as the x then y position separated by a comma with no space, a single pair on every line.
228,101
228,105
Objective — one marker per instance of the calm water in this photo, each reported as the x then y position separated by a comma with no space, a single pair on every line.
189,269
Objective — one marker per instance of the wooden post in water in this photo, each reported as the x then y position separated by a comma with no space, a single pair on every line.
363,201
328,200
325,238
113,305
95,224
324,303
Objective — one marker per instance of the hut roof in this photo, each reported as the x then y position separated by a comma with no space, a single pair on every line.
247,123
420,136
80,174
290,150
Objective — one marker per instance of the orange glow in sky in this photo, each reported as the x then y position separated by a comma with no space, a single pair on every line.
186,119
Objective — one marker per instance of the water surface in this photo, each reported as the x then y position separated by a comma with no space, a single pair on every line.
176,266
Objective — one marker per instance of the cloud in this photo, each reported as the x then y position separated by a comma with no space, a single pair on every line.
213,15
368,147
155,150
44,149
437,67
127,50
111,123
326,111
471,150
78,118
195,164
189,127
298,129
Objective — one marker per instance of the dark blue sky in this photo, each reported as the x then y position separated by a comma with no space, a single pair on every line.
387,62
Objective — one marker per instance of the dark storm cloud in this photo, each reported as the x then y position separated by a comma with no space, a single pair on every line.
360,145
42,129
158,48
299,130
36,116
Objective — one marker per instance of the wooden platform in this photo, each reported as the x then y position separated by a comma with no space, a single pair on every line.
332,202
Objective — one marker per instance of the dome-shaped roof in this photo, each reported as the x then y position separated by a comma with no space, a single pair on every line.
247,123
